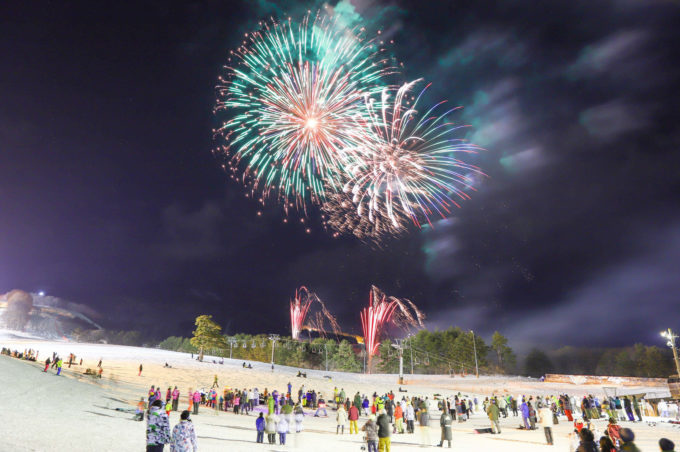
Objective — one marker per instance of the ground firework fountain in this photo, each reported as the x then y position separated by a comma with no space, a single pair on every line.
299,309
383,310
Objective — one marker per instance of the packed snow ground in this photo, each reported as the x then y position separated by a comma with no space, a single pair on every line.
77,413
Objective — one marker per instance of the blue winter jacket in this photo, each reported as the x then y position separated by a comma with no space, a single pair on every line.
259,424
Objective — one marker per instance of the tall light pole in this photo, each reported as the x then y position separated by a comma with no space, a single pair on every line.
668,334
400,349
232,341
474,346
273,338
325,349
410,343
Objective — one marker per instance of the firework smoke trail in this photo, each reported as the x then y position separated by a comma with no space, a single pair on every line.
339,216
299,308
382,310
409,171
293,92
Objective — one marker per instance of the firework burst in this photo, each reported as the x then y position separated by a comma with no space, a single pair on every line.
293,94
409,170
299,309
382,310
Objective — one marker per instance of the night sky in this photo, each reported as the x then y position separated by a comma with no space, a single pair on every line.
110,195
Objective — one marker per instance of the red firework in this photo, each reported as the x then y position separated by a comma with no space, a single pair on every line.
382,310
299,308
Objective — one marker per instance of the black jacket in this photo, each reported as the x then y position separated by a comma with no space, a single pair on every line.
384,428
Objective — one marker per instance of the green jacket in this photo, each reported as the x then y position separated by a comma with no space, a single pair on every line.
493,412
629,447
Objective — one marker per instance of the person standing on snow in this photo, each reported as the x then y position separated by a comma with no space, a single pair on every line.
357,400
371,429
525,414
545,418
175,399
398,419
494,413
197,401
299,417
183,435
424,421
259,426
139,412
353,417
157,428
270,404
384,430
627,438
60,363
445,422
341,418
270,428
282,429
140,370
410,418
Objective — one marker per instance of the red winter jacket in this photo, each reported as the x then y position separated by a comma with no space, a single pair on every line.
353,413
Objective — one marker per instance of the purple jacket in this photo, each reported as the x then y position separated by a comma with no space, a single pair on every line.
525,410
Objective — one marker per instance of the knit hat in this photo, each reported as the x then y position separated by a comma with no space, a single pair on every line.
185,415
627,435
666,444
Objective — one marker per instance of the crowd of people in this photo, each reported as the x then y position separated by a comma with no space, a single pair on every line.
596,420
278,413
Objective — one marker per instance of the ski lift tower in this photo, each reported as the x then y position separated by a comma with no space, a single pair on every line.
400,349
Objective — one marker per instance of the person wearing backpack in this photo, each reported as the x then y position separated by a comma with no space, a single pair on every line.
494,413
371,429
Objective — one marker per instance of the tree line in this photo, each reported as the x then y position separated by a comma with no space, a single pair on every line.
638,360
427,352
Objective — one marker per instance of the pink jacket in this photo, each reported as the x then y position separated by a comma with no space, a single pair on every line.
197,396
175,394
